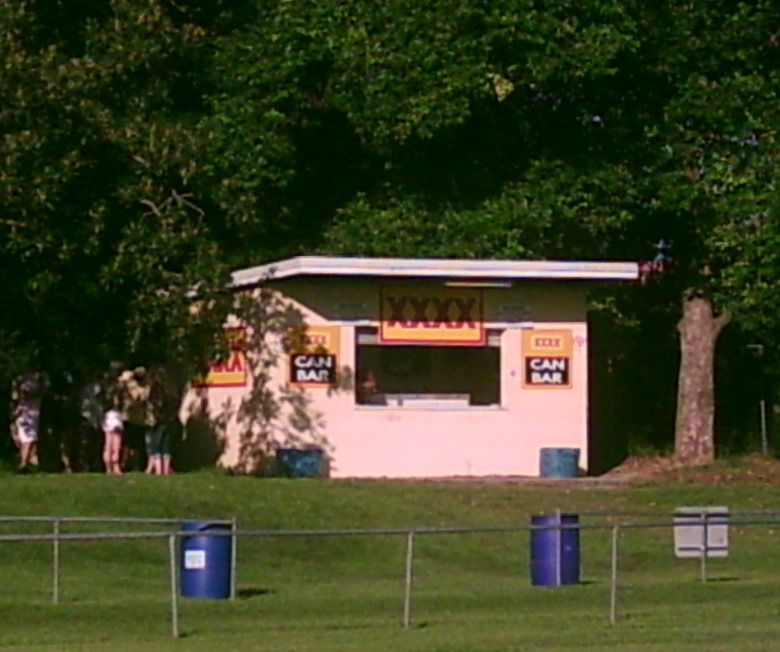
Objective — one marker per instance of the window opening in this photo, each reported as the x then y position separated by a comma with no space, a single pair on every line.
410,375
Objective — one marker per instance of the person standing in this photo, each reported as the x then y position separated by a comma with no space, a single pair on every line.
133,390
113,429
27,414
158,449
158,435
59,448
91,430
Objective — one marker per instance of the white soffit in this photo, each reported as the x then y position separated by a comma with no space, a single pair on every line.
435,268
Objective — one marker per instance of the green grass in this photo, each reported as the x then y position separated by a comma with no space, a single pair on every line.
471,591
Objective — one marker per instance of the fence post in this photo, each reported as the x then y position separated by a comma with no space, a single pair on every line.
409,577
704,545
613,585
558,547
56,563
233,559
174,585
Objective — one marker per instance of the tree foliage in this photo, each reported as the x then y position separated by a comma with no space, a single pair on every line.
103,236
664,131
150,145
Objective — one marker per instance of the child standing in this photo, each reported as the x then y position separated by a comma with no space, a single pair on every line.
113,428
27,413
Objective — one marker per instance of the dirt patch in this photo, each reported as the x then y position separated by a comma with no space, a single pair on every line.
726,471
640,469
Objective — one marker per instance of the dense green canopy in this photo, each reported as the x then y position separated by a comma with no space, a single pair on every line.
149,146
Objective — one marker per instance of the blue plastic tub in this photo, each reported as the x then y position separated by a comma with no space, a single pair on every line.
300,463
559,462
206,561
555,552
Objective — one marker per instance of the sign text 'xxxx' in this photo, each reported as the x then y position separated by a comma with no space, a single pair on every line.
434,316
230,371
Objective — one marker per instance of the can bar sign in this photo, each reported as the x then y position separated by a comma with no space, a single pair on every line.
313,369
314,351
547,359
412,315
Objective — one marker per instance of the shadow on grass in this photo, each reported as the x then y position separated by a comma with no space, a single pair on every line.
564,585
246,594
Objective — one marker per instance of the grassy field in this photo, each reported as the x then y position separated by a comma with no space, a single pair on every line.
471,591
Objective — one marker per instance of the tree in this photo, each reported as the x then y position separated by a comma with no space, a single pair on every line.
150,145
104,239
715,145
664,129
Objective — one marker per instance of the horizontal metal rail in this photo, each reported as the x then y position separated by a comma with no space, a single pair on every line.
401,531
733,517
105,519
174,536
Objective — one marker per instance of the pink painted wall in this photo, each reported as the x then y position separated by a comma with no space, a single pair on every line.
381,441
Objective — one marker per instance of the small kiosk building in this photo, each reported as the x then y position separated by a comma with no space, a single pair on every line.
403,368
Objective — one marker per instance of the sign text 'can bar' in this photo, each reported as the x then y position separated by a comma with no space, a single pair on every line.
313,368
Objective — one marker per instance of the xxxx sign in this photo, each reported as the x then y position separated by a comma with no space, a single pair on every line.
230,372
431,316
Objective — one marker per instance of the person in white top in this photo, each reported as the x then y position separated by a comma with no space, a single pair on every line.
113,428
27,413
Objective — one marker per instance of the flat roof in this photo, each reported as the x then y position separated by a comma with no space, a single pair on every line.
435,268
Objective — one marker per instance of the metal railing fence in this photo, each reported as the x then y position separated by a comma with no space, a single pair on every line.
57,536
611,523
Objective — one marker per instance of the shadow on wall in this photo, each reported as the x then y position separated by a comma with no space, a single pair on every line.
200,444
268,414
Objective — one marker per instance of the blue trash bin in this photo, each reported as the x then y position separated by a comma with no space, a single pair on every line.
559,462
206,563
299,462
555,552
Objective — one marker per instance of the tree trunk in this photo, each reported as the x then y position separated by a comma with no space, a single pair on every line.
695,427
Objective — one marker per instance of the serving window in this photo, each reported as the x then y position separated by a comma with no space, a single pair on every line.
432,376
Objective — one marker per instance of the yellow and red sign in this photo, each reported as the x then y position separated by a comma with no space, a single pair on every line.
411,315
230,372
547,358
321,339
314,355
